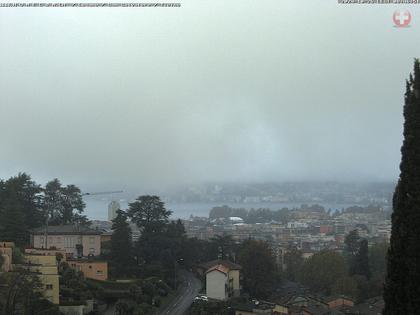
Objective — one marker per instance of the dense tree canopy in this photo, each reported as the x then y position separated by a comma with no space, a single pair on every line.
162,243
293,261
20,208
20,294
225,246
345,285
357,254
377,259
352,242
258,267
24,205
322,270
64,204
361,262
149,213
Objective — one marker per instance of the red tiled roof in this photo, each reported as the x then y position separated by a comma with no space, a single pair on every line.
220,268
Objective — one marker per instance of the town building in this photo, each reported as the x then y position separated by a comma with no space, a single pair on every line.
113,207
75,240
45,267
6,252
222,279
91,269
106,236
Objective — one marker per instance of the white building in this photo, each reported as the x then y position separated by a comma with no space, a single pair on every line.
297,225
113,207
236,220
222,280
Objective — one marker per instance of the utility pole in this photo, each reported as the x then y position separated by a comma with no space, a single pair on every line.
46,224
175,285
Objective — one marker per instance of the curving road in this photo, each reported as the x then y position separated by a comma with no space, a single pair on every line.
186,293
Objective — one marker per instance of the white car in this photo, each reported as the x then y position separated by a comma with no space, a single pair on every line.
201,298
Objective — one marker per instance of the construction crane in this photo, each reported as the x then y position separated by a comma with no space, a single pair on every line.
112,204
102,193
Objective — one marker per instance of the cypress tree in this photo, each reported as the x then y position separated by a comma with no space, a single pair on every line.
402,289
352,249
121,246
362,260
352,243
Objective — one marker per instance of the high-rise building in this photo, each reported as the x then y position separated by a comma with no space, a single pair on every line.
112,210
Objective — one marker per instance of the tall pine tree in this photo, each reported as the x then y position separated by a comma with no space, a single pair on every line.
64,204
12,224
402,289
19,208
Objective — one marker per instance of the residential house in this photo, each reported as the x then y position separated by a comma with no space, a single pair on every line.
372,306
245,310
75,240
78,308
6,252
338,301
106,236
222,279
261,307
91,269
45,267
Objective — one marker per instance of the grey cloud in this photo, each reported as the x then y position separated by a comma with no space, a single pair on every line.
212,91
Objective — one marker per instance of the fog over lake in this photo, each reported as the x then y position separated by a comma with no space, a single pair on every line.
152,98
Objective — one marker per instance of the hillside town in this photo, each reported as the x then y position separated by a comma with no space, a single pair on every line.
309,228
210,157
62,255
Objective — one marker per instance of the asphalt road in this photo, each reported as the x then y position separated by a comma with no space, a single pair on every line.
186,293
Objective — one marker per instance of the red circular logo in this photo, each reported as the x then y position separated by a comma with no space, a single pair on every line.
402,18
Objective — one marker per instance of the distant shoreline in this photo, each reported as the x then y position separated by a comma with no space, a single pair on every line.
98,209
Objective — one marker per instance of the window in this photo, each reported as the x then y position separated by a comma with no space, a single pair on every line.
49,286
67,242
99,272
91,240
90,267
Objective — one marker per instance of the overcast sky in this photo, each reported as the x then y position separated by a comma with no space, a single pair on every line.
145,98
